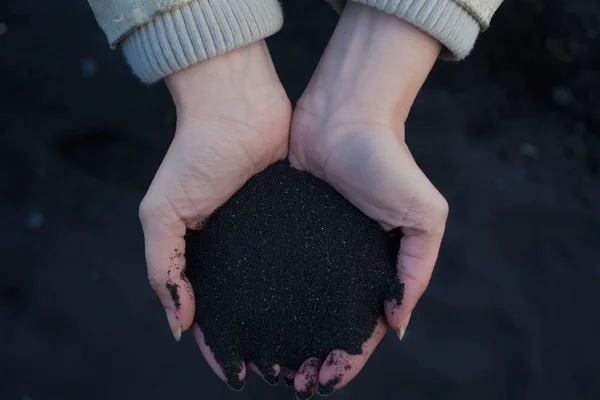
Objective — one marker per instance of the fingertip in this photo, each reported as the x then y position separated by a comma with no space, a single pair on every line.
404,327
186,312
394,314
241,371
174,324
399,305
339,368
335,368
179,304
276,369
419,250
234,375
268,372
395,303
236,384
165,256
329,387
307,378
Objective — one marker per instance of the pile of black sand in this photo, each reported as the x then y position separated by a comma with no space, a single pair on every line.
286,270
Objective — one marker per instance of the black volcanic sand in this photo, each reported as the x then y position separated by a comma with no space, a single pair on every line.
286,270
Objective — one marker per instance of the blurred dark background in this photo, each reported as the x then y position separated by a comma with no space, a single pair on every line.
511,137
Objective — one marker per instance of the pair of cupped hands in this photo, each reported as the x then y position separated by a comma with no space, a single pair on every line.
234,119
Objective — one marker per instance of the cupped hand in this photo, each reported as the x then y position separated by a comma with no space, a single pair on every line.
348,129
372,167
233,121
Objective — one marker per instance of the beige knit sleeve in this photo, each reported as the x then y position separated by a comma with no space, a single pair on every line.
455,23
160,37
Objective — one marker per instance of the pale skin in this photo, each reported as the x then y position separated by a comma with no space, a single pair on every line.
234,119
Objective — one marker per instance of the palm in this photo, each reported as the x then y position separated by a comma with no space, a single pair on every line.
368,164
208,162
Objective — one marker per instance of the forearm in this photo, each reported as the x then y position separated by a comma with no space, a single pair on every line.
375,63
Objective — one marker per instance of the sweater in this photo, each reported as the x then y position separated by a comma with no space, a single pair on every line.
160,37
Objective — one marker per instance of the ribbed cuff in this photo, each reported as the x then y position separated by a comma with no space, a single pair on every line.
196,31
445,20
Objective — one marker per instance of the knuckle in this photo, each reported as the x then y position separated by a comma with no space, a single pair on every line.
427,212
420,269
145,210
435,213
420,279
441,207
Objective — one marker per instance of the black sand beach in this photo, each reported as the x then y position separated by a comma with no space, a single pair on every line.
511,137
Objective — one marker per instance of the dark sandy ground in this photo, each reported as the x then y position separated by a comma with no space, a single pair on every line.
511,137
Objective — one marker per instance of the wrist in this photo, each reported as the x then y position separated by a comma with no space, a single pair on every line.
375,62
243,76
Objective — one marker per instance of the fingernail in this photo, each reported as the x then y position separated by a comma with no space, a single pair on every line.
174,324
266,372
327,389
271,379
236,384
402,330
304,395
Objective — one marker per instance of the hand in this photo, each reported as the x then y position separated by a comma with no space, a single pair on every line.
233,121
348,129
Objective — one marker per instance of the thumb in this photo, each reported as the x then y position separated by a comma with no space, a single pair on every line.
165,259
419,249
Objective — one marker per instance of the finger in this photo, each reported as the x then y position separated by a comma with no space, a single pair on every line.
419,249
307,378
165,258
288,376
339,368
269,372
234,375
